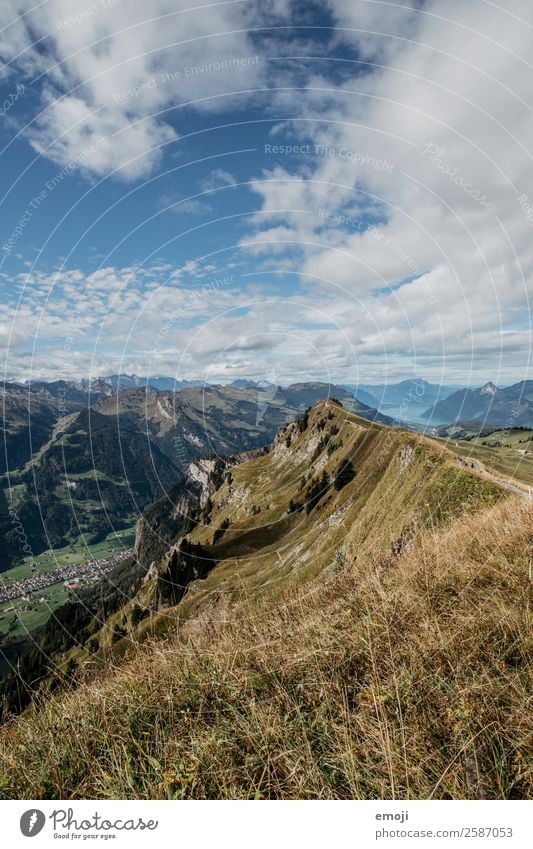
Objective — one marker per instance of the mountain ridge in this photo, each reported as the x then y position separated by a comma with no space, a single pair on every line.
377,555
232,527
82,475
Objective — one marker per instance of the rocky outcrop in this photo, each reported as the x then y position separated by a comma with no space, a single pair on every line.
176,513
183,564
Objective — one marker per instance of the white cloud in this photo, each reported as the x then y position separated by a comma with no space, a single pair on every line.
191,206
113,70
155,322
218,178
375,27
444,106
460,87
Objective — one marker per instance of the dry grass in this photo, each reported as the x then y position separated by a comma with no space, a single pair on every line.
402,678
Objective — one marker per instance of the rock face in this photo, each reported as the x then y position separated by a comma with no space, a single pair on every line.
186,505
198,476
182,565
164,520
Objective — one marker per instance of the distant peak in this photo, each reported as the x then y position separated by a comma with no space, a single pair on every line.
489,389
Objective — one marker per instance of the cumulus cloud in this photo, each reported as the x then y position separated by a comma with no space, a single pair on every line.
376,28
428,158
409,218
116,71
189,322
217,179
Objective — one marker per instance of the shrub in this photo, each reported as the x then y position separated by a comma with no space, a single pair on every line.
304,421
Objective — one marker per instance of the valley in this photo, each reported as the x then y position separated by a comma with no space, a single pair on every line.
89,489
32,591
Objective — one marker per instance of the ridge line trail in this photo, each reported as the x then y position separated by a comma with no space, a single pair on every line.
512,485
519,489
476,466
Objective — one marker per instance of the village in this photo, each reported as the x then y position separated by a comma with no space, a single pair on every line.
90,571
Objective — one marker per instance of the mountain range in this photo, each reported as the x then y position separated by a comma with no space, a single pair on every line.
415,400
489,404
405,400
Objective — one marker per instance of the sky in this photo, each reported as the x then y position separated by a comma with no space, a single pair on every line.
278,190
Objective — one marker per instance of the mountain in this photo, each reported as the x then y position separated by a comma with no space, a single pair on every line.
489,404
94,470
29,413
200,421
362,394
405,400
331,482
417,389
325,482
523,391
30,420
315,594
244,383
27,422
118,382
68,395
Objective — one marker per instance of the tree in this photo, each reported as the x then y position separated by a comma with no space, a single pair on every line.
344,474
315,492
219,532
304,421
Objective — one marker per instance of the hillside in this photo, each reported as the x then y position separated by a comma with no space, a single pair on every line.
30,417
332,487
506,453
343,616
29,414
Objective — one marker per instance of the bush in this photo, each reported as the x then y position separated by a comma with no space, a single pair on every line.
304,421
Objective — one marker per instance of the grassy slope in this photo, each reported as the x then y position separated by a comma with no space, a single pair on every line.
369,648
499,452
404,680
404,482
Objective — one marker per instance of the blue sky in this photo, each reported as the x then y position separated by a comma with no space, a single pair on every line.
280,190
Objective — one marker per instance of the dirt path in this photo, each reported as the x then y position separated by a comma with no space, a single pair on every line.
483,471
